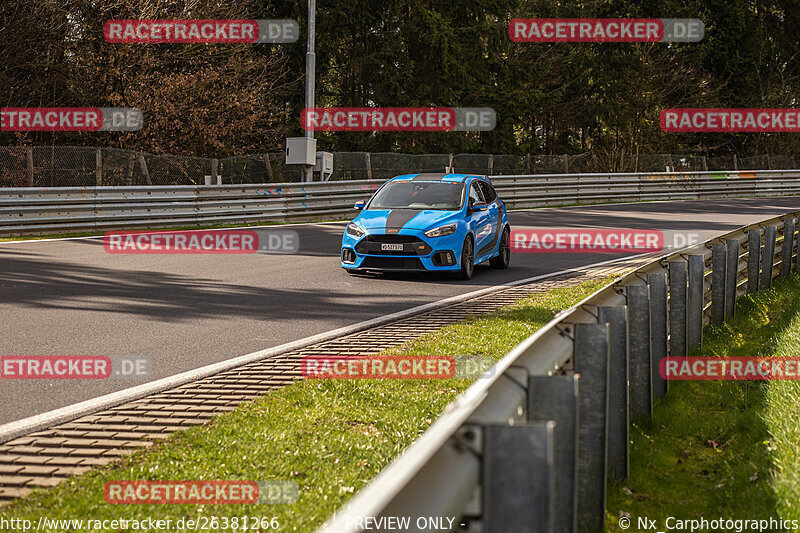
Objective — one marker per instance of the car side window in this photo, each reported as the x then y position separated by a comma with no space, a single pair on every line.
475,195
488,192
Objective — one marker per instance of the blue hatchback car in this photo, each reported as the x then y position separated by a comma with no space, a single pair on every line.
429,222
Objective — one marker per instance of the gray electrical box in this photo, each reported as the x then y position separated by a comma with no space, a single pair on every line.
301,151
324,163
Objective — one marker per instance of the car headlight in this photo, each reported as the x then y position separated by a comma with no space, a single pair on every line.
354,230
441,231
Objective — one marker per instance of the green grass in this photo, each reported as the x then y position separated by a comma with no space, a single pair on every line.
723,448
330,437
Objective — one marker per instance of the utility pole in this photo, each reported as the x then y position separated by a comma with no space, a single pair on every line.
308,170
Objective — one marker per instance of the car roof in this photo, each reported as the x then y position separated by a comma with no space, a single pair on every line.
432,176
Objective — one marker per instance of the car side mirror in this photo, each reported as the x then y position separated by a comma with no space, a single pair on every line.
479,206
360,205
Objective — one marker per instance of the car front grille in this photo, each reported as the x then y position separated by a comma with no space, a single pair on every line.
371,245
392,263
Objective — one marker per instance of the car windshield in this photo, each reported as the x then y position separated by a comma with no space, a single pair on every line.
439,195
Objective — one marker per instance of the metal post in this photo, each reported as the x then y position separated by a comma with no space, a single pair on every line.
718,271
788,244
29,160
518,478
566,164
368,163
618,391
491,164
268,163
798,243
677,308
98,166
768,258
143,168
556,398
308,170
450,163
731,276
658,330
753,259
591,362
215,177
694,302
641,388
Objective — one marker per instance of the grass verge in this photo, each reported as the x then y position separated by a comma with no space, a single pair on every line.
723,448
330,437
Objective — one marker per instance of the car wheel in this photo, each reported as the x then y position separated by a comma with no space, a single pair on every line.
467,260
503,257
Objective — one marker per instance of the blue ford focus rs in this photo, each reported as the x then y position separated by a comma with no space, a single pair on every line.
429,222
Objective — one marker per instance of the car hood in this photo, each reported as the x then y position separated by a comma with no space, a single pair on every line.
397,219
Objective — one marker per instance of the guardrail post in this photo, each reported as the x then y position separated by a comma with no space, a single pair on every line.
268,164
719,264
731,276
215,177
591,362
368,164
98,166
768,258
788,244
658,330
641,389
518,478
798,242
556,398
677,308
753,259
29,164
694,302
618,389
143,168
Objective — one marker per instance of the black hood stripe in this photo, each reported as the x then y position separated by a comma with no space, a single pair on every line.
397,218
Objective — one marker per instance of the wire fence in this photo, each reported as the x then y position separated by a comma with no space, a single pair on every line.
72,166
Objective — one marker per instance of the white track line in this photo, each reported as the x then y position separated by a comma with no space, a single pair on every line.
91,237
24,426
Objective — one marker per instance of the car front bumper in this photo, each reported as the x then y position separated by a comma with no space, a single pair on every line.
419,253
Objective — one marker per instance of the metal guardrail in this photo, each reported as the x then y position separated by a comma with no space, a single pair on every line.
71,209
530,445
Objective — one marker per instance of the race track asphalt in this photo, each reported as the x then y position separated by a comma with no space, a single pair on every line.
186,311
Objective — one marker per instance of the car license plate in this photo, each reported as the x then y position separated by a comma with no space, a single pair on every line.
392,247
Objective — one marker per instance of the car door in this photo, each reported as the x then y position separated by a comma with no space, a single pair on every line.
479,220
493,213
